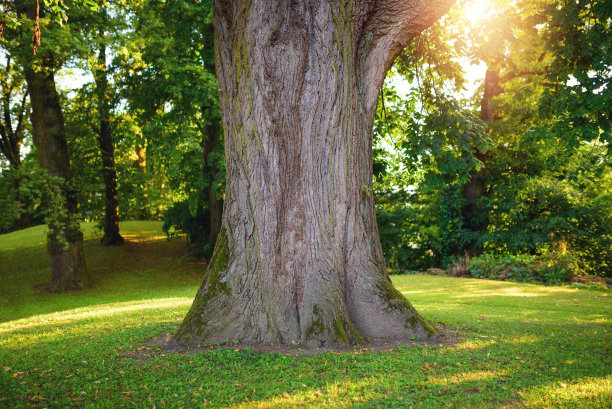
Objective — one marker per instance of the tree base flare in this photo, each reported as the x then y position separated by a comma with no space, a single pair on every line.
226,312
169,344
68,268
112,240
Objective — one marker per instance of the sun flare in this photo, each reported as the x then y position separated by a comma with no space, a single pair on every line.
477,9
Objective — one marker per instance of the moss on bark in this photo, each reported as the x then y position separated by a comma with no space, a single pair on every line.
194,322
397,302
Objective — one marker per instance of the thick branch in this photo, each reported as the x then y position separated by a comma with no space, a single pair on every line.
384,28
512,75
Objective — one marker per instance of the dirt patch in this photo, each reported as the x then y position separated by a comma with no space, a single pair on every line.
590,280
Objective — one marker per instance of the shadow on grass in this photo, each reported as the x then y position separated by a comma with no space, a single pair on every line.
142,268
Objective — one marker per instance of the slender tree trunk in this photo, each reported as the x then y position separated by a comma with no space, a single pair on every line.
111,205
12,135
475,217
65,247
215,205
140,164
298,258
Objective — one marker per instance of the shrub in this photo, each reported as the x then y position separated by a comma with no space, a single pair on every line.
550,267
180,217
460,267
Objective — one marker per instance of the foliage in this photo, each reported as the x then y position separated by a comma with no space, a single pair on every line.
172,89
48,193
546,181
549,268
195,223
519,345
543,156
11,207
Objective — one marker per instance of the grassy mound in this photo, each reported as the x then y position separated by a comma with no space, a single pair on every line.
521,344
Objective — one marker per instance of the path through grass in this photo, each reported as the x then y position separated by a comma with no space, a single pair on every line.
522,346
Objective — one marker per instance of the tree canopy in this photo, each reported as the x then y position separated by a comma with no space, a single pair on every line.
513,168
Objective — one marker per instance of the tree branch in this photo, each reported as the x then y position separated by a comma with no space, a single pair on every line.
512,75
21,115
384,28
5,144
96,130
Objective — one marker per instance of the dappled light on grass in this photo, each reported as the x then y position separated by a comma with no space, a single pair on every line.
471,345
574,393
97,312
461,377
93,354
94,348
140,239
504,292
333,395
148,265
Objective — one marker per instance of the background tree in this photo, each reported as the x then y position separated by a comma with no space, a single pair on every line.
65,241
175,92
100,72
14,112
524,102
15,109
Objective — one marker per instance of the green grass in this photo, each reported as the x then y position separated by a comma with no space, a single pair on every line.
522,345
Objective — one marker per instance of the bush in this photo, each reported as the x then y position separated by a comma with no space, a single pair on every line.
195,223
549,268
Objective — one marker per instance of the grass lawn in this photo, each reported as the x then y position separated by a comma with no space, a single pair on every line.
521,345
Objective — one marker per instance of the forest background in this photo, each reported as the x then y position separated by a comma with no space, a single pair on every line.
508,177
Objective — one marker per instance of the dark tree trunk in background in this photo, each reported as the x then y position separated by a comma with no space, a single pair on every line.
65,247
298,258
12,134
111,206
215,204
491,89
11,128
475,218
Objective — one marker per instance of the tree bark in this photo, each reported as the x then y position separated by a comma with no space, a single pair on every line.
111,205
65,246
215,205
298,258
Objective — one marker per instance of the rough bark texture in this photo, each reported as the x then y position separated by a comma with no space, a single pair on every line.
298,258
111,205
215,204
68,269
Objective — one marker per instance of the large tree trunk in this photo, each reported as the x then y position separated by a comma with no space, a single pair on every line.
298,258
65,246
475,218
215,205
111,205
